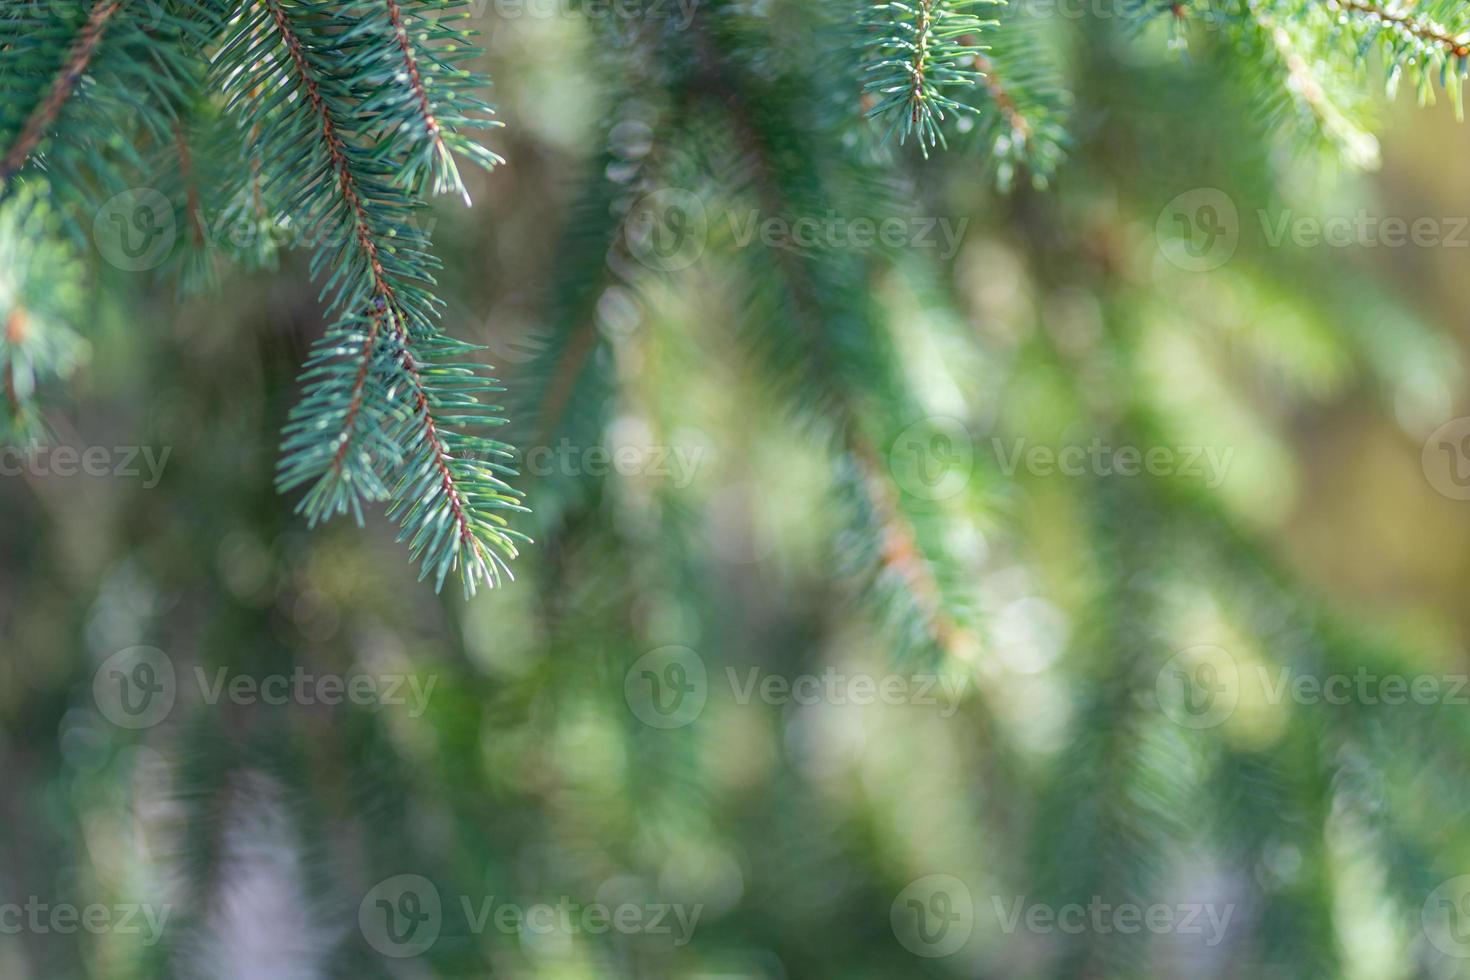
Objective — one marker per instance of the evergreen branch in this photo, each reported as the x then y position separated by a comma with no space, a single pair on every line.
918,52
427,104
836,348
900,552
416,85
1303,95
1308,90
995,88
192,206
61,89
1022,102
383,410
1418,41
1423,29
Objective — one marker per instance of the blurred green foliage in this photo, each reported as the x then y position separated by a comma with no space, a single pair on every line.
752,463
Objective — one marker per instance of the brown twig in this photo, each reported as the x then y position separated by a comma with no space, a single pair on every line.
415,82
191,189
45,114
1002,98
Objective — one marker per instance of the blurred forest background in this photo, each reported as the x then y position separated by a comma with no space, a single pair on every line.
546,765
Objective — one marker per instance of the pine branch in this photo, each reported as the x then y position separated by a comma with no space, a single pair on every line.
920,51
387,405
1424,29
436,125
1416,41
74,82
66,81
1021,101
833,360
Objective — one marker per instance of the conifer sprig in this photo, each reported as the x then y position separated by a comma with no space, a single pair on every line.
1416,41
427,100
918,53
1022,103
390,406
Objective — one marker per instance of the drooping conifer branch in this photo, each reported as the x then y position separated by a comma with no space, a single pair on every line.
827,363
382,415
1457,45
66,81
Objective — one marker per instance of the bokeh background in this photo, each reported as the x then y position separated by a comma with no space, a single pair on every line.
800,839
